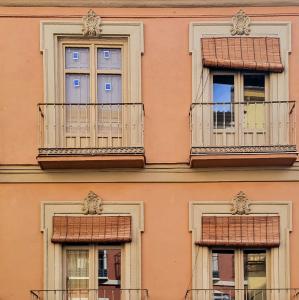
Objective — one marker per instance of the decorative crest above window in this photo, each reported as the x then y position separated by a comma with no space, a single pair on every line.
91,24
93,204
241,24
240,205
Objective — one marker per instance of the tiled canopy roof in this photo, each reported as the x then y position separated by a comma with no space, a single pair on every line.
85,229
240,231
250,53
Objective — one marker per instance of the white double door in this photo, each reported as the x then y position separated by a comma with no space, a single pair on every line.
240,113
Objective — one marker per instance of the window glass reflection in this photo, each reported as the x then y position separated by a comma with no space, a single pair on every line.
255,274
223,274
254,98
223,98
109,274
254,87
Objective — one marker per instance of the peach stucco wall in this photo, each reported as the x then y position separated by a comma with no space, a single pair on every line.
166,74
166,241
166,92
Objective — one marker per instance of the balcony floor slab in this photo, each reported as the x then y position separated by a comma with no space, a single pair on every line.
242,160
91,162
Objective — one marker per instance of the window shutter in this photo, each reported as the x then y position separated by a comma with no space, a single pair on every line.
86,229
249,53
240,231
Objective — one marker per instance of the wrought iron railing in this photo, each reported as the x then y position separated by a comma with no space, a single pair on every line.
109,293
260,126
224,293
91,128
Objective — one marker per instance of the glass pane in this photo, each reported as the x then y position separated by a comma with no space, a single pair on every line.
223,98
77,88
223,274
76,58
254,87
255,274
254,97
109,274
109,89
77,273
109,58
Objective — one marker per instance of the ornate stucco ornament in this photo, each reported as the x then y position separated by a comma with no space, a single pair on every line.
92,204
240,205
241,24
91,24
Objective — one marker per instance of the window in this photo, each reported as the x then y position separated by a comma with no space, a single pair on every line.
94,89
223,100
255,257
242,274
240,98
92,103
93,272
85,255
240,109
239,93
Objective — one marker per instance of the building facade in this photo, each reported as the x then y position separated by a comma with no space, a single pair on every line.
148,150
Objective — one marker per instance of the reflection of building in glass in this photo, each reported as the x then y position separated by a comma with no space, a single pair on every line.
223,265
109,266
223,98
225,280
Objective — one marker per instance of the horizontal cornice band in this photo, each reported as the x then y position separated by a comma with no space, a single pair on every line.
147,3
150,174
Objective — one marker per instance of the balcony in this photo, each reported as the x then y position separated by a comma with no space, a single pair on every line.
242,294
243,134
90,135
111,293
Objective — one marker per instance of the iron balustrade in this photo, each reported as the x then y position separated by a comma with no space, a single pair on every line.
248,126
225,293
102,293
70,128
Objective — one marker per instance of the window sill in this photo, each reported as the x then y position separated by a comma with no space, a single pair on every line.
242,160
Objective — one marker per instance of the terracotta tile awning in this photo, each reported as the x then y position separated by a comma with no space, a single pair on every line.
240,231
250,53
85,229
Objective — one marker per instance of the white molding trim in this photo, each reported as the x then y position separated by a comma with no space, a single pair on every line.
53,252
50,31
148,3
280,256
150,174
